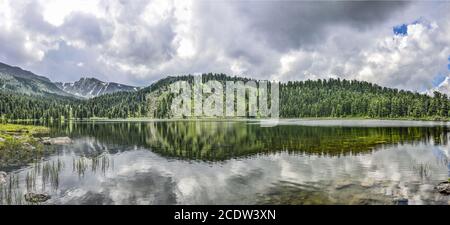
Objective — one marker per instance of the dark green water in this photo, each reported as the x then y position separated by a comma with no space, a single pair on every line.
239,162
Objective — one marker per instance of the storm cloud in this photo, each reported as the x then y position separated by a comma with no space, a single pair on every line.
138,42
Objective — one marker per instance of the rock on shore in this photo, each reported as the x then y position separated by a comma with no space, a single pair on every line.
444,188
56,141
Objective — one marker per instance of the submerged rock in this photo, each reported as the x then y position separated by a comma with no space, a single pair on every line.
401,201
2,139
368,183
342,185
444,188
36,198
3,177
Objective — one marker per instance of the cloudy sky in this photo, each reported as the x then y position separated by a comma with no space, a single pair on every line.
395,44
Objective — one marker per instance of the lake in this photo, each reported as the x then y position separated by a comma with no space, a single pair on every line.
239,162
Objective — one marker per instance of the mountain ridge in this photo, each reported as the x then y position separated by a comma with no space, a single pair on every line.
298,99
332,98
16,79
90,87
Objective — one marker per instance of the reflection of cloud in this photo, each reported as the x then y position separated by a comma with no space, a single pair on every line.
143,177
187,185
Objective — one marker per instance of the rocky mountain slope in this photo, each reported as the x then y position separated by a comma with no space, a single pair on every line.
17,80
92,87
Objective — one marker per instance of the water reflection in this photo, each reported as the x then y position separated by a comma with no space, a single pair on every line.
45,176
237,163
216,141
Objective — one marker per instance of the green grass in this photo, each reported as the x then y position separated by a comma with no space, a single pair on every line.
18,145
30,129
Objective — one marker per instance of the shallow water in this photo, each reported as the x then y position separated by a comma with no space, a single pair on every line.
239,162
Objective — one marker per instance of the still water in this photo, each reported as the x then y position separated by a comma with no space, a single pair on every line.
239,162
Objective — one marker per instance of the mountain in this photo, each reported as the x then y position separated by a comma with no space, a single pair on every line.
298,99
16,80
333,98
92,87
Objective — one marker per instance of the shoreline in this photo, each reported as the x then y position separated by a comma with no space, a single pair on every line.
150,119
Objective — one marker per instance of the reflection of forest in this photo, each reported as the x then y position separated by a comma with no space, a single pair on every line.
211,141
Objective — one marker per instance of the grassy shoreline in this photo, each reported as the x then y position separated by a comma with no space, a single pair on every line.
18,144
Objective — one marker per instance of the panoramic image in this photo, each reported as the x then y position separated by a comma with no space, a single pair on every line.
216,102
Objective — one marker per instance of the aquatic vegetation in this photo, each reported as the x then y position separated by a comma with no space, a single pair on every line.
10,193
100,162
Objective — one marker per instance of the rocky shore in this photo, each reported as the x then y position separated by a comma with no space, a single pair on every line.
19,144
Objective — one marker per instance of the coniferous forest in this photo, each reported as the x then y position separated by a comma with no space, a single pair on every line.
298,99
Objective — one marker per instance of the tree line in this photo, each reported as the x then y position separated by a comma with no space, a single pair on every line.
311,98
344,98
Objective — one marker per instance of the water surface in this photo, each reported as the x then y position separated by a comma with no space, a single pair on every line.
239,162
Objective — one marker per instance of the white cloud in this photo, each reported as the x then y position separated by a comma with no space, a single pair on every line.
55,11
140,41
408,62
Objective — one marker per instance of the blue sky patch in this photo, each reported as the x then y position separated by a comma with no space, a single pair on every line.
448,66
401,30
438,79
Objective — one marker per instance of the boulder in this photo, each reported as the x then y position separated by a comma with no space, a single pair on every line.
45,140
56,141
36,198
60,141
444,188
3,176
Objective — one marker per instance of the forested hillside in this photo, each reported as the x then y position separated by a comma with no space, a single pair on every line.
311,98
17,80
337,98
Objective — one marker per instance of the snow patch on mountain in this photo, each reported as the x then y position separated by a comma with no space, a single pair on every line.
92,87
